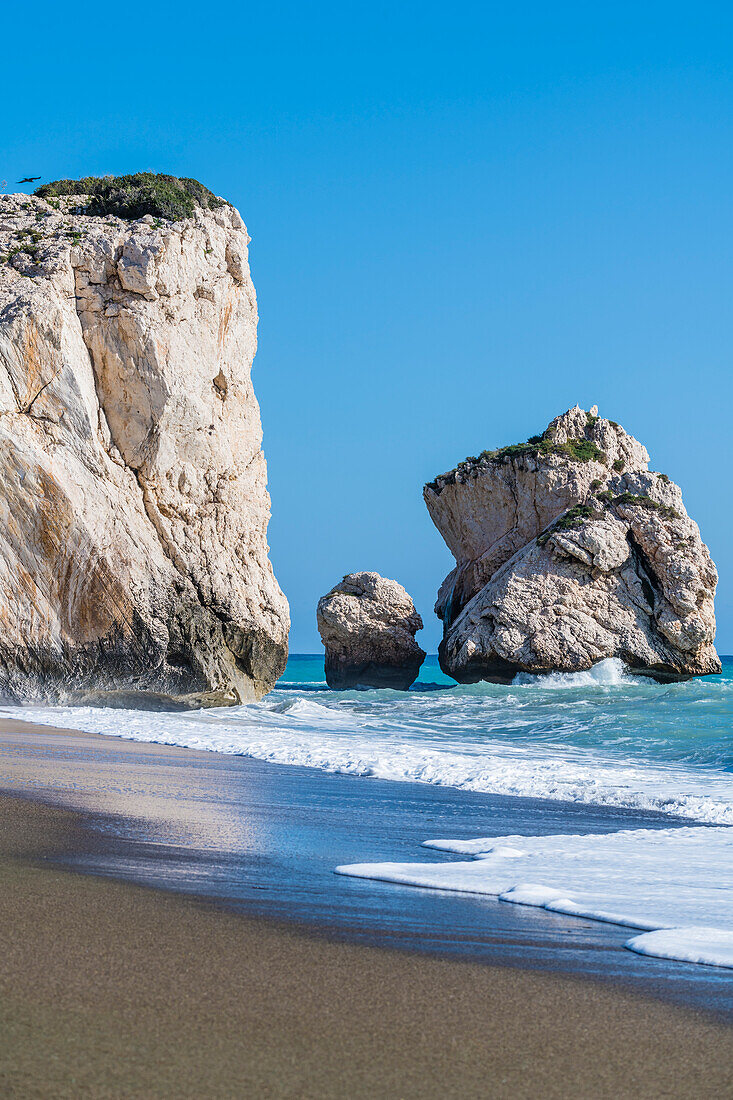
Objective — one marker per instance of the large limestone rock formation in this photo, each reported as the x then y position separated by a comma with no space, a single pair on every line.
570,551
368,626
133,500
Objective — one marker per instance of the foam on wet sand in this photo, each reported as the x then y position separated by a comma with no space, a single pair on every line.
672,883
110,989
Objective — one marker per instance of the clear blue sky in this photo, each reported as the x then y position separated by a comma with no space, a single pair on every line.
465,218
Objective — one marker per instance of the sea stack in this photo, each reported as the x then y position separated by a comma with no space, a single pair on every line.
133,556
368,625
568,551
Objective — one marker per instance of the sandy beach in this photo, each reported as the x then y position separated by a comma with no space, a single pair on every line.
115,989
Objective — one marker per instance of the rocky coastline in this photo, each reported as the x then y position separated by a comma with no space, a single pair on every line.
134,562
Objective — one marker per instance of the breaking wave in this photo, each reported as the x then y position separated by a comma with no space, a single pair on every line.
600,737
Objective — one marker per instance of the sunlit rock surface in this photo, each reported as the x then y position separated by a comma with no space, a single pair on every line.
133,551
368,624
569,551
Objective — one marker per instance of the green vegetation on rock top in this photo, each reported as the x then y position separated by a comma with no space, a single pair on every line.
580,450
577,450
132,197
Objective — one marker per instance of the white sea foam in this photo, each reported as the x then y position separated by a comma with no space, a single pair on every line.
709,946
675,884
595,737
608,673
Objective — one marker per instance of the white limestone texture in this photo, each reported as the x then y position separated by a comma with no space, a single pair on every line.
570,551
368,624
133,506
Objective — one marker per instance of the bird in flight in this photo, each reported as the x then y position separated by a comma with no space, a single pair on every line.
30,179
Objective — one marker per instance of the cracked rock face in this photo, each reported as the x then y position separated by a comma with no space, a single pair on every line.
563,561
368,624
133,551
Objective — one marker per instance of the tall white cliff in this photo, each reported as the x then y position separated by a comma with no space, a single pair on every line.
133,499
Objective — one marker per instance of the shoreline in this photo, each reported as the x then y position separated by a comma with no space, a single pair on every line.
377,735
116,989
265,839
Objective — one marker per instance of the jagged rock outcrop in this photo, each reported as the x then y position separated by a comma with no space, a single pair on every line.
133,500
368,626
570,551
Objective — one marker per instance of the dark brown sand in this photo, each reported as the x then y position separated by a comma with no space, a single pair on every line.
114,990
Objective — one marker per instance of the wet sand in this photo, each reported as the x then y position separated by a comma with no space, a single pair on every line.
113,989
